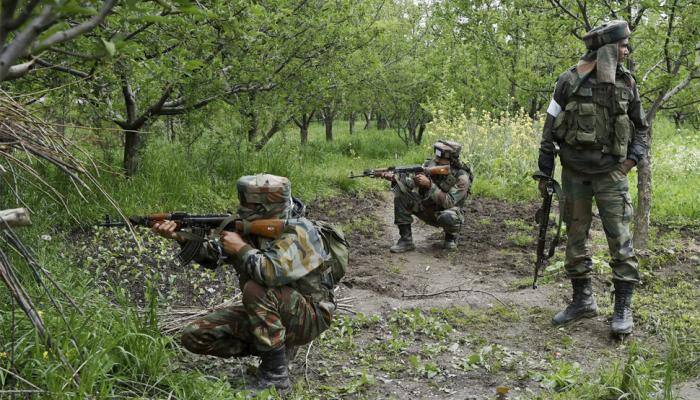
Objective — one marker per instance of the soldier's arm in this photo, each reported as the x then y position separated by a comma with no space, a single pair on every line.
289,258
456,194
545,161
637,149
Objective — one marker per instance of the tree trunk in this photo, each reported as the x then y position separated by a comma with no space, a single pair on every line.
171,129
381,122
304,133
421,131
132,144
644,196
368,119
328,121
253,127
303,125
328,116
351,122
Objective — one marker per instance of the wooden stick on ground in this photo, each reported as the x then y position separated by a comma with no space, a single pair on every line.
452,289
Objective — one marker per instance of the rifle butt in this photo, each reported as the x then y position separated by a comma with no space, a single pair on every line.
268,228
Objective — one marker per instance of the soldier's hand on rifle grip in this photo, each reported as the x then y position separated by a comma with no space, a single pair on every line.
232,242
167,229
389,176
422,181
627,165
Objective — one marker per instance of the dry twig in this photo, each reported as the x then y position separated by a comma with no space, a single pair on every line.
452,289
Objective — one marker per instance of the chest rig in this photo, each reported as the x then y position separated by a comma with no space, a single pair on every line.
595,116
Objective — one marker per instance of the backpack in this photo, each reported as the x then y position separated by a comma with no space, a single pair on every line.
337,247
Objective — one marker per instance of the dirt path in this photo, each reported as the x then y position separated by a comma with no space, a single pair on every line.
386,281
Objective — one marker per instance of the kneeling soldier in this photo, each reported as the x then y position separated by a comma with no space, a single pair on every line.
287,284
436,200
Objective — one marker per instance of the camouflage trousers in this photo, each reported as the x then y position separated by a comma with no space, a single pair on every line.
268,319
408,205
611,194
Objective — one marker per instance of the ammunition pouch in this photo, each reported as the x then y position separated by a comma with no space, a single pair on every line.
596,118
445,184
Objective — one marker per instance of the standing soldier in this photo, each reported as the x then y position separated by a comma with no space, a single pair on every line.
436,200
597,120
287,283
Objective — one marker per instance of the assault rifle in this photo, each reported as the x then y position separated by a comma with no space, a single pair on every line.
408,169
196,228
544,251
269,228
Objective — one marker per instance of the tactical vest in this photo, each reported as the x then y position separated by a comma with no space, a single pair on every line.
318,284
595,117
446,183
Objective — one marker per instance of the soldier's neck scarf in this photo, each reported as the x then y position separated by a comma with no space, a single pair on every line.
603,61
263,211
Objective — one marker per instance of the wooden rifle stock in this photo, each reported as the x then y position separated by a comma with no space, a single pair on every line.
268,228
437,170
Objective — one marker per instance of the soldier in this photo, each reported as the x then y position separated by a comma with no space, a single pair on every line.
437,200
597,120
286,283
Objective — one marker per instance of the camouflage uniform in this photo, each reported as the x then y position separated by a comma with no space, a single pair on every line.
287,290
596,119
440,205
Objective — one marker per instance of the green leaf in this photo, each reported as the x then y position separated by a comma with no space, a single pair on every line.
109,46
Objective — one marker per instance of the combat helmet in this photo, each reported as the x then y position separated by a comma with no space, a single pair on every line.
609,32
264,196
447,149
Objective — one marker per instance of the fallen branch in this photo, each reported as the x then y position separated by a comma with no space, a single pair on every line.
450,290
306,363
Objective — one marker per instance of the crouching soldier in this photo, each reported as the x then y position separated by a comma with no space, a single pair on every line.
287,283
437,200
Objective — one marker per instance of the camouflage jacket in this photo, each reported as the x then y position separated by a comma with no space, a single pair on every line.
296,259
588,160
444,192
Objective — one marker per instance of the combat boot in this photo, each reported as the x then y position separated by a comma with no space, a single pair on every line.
582,304
273,371
405,242
450,242
622,322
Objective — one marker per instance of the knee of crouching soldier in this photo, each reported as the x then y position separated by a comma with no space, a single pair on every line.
447,220
252,292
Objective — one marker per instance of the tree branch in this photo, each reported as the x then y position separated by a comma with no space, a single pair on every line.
557,4
584,13
669,30
19,70
22,18
22,42
68,34
62,68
